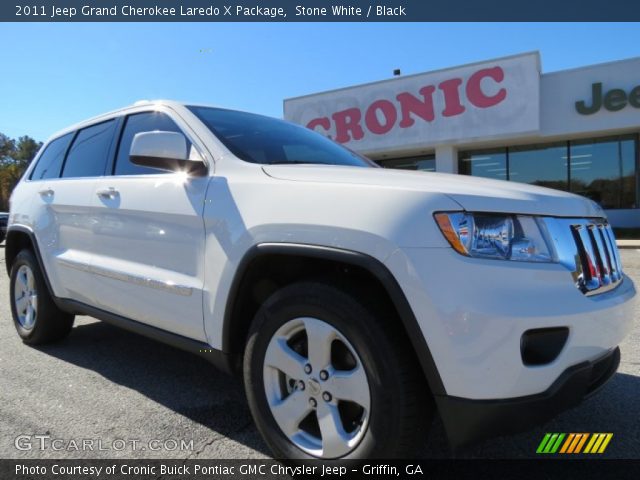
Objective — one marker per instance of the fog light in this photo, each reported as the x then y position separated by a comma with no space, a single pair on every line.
543,345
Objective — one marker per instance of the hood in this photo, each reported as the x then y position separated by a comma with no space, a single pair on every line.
471,193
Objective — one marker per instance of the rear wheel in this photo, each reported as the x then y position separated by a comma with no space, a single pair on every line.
36,317
327,378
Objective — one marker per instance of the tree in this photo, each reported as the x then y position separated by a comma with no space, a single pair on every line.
25,150
14,160
7,146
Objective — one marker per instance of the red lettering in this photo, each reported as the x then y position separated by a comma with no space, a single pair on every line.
348,121
389,113
410,104
323,122
474,88
452,105
382,115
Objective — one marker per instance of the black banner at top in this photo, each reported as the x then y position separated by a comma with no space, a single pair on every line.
316,10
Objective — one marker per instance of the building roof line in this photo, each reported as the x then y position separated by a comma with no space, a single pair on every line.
429,72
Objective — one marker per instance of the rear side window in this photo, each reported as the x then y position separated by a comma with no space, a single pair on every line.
141,122
50,161
89,152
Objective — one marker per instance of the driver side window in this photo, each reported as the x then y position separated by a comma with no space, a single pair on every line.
136,123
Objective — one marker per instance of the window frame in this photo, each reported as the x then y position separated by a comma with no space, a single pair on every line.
425,156
120,134
619,137
486,151
29,178
117,126
635,138
565,144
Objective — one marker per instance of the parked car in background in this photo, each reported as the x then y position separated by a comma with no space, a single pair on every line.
356,301
4,219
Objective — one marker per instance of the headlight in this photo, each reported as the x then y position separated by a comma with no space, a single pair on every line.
505,237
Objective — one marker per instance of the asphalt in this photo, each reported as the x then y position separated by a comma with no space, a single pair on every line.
102,384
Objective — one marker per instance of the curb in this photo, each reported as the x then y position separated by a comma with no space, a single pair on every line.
628,244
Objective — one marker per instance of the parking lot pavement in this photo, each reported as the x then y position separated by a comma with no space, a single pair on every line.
117,391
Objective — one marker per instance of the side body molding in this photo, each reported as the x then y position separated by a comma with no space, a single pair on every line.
216,357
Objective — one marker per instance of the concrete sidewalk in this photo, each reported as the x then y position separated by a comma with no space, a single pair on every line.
628,243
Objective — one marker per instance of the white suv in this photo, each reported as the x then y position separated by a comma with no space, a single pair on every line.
356,301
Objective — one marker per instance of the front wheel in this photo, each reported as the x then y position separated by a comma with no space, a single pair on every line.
327,378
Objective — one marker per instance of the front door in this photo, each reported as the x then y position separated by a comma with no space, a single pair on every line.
149,239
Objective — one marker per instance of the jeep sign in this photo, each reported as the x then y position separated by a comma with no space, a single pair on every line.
612,100
493,99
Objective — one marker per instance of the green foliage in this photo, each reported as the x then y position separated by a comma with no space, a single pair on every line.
15,157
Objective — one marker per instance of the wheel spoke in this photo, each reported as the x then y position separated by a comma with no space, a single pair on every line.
291,411
34,302
321,390
350,385
333,434
320,335
28,317
30,279
21,303
22,281
281,356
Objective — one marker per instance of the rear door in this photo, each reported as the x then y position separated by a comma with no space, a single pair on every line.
63,182
149,238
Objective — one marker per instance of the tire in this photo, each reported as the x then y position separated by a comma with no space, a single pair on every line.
2,235
383,414
37,319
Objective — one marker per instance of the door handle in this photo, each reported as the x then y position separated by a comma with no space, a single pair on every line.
108,193
46,192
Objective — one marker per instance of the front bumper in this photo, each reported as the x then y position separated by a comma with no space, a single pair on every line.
473,314
468,421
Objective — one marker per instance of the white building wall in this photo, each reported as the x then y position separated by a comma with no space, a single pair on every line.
560,90
447,159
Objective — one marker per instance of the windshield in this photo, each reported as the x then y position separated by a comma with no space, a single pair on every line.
265,140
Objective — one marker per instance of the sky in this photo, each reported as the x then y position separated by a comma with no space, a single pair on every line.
54,75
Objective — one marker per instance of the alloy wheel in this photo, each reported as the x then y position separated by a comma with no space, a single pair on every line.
26,297
317,388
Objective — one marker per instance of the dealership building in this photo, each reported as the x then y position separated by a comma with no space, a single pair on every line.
574,130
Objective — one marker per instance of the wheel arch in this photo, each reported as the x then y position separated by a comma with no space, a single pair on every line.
19,238
324,260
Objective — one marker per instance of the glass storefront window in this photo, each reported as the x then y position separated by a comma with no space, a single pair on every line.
485,163
542,165
604,170
424,163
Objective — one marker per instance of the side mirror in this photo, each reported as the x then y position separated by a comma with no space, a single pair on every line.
164,151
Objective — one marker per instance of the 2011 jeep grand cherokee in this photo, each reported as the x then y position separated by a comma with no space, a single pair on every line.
356,301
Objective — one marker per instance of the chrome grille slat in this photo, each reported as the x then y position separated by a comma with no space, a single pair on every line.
601,254
614,249
608,253
590,267
587,248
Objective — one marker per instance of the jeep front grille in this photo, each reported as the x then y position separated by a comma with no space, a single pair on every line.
587,247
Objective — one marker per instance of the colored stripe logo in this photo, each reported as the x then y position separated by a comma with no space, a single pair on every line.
593,443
